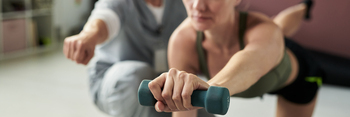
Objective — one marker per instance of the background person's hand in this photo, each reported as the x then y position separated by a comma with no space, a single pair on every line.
79,48
178,87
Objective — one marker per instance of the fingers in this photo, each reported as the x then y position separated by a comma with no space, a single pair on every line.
160,106
89,53
198,84
178,88
79,53
156,86
168,89
71,50
187,92
66,47
79,49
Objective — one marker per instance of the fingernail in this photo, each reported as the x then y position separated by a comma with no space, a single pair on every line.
157,109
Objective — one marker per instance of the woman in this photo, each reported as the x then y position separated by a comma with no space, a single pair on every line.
244,52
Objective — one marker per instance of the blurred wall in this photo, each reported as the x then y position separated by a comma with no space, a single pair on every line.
69,14
328,31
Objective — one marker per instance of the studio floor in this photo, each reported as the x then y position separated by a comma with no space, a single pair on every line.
49,85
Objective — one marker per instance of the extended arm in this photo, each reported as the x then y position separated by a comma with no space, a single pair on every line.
102,25
263,51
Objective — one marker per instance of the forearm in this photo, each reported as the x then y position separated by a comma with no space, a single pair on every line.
243,70
97,29
192,113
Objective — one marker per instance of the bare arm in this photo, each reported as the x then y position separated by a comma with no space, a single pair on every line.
80,48
181,49
97,29
263,51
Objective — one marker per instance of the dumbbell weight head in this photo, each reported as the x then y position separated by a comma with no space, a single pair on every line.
217,100
145,95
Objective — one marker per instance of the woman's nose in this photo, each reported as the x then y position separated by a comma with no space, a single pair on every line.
198,5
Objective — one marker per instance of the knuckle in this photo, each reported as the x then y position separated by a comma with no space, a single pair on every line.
172,71
166,96
151,85
66,41
182,75
74,42
79,44
185,96
176,98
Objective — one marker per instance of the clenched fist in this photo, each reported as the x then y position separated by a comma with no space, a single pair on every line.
80,48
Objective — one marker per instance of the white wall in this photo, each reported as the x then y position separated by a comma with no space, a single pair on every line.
68,14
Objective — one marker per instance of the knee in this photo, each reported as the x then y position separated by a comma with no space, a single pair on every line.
118,91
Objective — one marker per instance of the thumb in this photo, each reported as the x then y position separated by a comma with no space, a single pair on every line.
200,85
203,86
159,106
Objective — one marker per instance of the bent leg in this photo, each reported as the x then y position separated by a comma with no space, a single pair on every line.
286,108
117,95
290,19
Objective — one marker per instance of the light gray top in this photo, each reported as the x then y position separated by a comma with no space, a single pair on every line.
139,35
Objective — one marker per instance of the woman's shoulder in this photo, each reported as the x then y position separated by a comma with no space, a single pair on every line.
184,33
182,48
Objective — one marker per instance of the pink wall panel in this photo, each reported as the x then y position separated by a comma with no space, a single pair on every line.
329,29
14,35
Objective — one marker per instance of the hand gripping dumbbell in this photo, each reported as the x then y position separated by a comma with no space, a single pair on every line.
215,100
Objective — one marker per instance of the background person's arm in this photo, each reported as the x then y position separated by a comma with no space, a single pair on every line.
80,48
103,25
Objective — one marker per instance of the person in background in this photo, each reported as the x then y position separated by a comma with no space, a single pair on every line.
127,40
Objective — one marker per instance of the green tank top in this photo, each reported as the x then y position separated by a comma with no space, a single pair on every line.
271,81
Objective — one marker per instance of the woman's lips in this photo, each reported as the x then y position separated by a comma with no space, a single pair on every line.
200,18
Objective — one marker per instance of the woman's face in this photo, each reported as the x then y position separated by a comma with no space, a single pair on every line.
205,14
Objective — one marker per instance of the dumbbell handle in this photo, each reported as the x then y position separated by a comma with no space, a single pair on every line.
146,97
215,100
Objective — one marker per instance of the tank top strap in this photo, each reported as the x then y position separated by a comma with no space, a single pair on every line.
202,55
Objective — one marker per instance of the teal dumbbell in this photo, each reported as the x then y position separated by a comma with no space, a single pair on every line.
215,100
